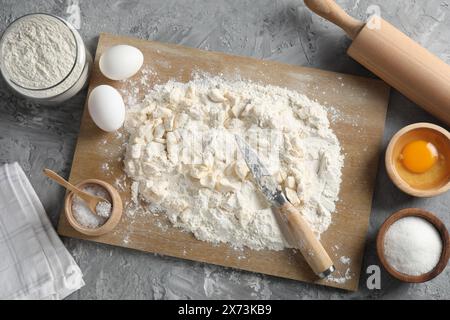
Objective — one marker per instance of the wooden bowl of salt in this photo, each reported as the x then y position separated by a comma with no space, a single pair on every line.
82,219
408,245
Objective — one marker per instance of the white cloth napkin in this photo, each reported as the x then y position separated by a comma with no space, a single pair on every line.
34,264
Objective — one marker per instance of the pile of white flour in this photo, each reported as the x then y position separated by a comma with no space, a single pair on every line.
182,156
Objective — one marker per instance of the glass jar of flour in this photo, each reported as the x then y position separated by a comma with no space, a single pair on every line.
43,58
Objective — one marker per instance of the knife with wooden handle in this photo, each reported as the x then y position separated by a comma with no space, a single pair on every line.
305,239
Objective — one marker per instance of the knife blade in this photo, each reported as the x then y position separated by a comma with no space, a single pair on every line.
298,228
264,180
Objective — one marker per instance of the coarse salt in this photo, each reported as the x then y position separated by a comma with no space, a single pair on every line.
83,214
103,209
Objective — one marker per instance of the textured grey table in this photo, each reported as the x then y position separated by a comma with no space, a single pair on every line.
41,136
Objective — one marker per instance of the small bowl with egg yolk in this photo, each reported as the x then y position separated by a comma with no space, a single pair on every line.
418,160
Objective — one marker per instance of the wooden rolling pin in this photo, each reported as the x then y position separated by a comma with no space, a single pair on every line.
395,58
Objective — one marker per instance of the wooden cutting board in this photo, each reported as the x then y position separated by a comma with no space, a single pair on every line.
357,110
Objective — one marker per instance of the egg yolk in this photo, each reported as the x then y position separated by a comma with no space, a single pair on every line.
419,156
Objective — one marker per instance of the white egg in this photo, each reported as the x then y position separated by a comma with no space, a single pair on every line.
121,62
106,107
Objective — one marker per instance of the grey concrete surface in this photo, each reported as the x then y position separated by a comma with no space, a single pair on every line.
43,136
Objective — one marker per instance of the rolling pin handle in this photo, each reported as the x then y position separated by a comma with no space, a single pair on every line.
328,9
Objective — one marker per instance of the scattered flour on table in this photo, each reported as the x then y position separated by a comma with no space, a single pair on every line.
182,157
340,278
345,260
73,13
103,209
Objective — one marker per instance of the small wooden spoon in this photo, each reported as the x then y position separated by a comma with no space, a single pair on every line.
91,200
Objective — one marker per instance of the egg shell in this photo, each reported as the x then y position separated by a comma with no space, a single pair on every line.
106,107
121,62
